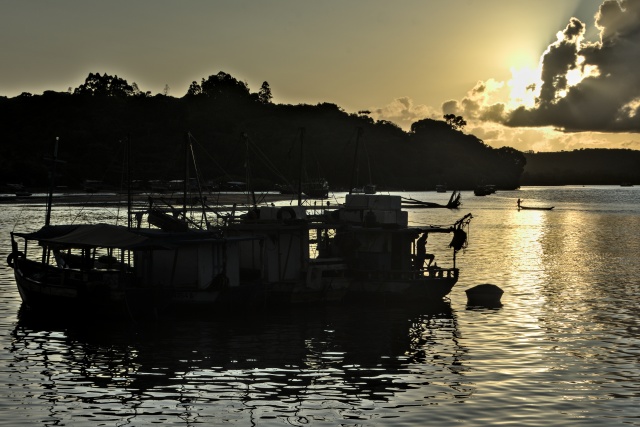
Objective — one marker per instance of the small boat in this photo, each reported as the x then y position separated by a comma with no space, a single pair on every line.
367,189
19,190
316,189
441,188
454,202
533,208
484,190
536,208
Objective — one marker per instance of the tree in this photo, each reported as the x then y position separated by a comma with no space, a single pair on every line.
429,125
137,92
194,89
105,85
456,122
264,94
223,85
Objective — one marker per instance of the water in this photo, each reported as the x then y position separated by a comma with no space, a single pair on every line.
562,350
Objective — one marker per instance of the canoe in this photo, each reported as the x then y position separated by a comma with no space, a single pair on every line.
536,208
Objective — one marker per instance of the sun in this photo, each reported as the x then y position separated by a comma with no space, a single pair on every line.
524,87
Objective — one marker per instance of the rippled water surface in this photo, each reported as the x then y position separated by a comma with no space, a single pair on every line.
562,350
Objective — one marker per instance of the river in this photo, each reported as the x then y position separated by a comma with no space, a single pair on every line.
562,350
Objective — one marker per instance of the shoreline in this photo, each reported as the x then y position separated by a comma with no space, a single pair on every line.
119,198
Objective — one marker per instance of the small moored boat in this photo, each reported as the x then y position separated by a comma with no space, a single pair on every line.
533,208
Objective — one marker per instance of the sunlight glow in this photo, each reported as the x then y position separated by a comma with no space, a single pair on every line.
524,87
581,72
630,109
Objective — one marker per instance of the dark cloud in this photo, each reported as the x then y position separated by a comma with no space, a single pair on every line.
608,100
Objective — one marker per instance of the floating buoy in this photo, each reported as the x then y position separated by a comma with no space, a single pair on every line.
486,295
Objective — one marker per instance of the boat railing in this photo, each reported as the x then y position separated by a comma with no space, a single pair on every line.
430,272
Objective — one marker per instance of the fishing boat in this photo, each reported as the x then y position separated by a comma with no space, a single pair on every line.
484,190
385,256
318,189
104,268
107,269
264,256
285,255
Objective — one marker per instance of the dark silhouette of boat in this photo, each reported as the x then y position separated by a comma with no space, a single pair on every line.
484,190
362,250
536,208
533,208
453,203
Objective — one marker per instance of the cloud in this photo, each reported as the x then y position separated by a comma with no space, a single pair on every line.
585,94
590,86
582,86
404,112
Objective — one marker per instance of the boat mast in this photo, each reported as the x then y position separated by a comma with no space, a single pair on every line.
355,171
129,197
47,219
185,185
301,167
198,183
250,189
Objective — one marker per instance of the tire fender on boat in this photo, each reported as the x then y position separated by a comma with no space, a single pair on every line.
12,256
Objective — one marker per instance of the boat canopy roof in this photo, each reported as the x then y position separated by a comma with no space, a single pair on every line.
115,236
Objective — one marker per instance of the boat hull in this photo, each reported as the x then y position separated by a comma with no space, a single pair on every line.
59,292
69,292
532,208
425,289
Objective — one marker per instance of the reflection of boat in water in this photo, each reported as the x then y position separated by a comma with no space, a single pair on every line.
228,368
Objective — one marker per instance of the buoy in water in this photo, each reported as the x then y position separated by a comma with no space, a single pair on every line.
485,294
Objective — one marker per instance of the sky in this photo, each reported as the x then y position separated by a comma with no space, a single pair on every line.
544,75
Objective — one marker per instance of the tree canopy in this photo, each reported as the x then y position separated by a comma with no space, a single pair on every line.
106,85
92,120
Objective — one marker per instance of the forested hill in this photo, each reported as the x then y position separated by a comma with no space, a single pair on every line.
234,129
583,167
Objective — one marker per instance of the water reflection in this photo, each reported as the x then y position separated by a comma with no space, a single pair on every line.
327,364
562,350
